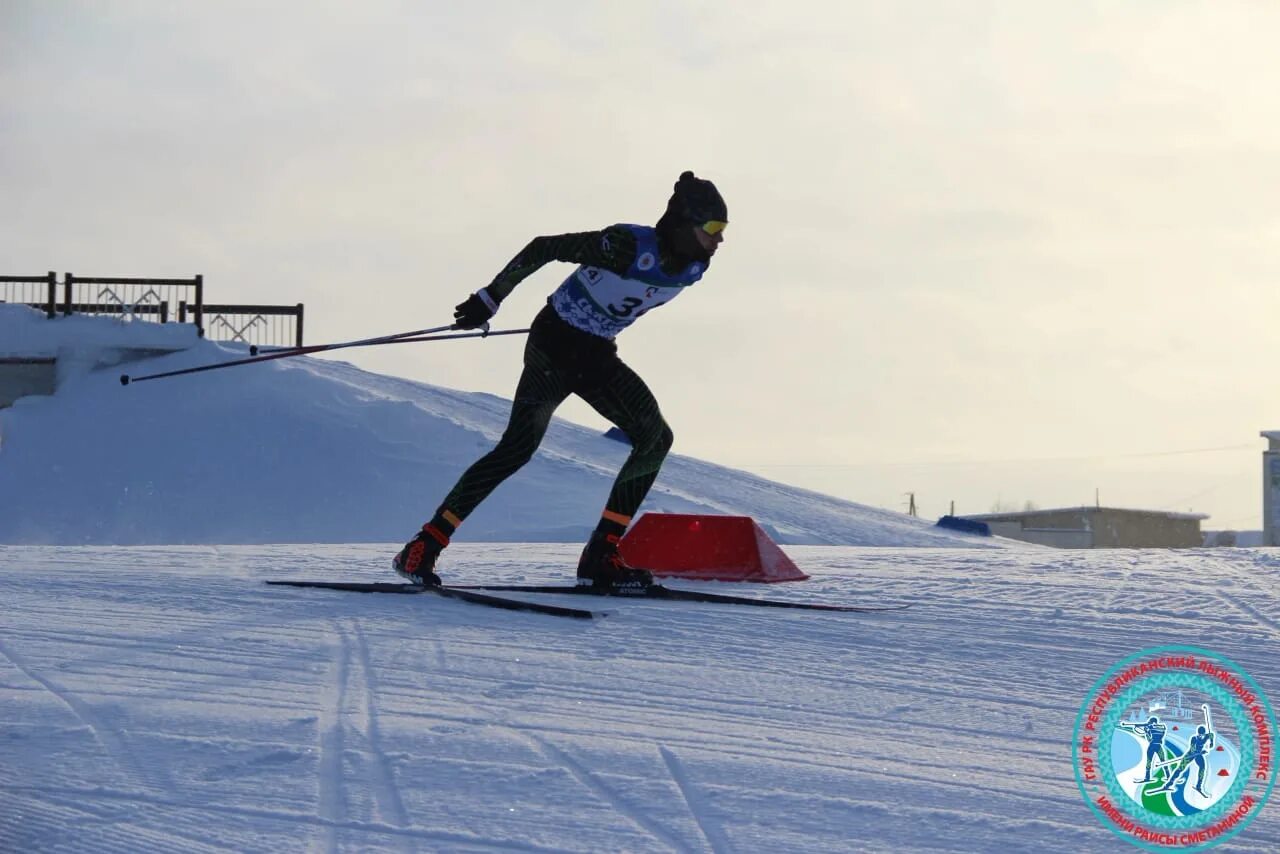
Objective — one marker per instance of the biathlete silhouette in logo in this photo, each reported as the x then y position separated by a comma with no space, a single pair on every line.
1153,731
1196,752
1197,749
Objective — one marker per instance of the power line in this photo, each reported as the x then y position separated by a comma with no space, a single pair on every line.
1067,459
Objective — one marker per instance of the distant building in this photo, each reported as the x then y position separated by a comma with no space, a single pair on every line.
1099,528
1234,539
1271,489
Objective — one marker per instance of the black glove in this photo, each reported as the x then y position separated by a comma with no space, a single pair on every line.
476,311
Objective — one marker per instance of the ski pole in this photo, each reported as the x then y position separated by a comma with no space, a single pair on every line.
125,379
255,349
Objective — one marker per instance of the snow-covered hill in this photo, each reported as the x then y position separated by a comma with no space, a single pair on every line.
314,450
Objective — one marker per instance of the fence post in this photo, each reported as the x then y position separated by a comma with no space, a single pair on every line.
51,305
200,304
68,284
298,327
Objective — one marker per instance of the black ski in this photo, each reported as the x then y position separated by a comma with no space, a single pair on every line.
448,593
657,591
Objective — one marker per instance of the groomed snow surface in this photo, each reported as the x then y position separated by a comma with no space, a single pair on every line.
164,699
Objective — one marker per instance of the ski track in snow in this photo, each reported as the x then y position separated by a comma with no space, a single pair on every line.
714,835
177,704
331,747
351,713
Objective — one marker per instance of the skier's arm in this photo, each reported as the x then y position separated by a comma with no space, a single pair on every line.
613,249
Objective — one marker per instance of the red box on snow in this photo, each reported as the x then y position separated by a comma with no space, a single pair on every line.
708,548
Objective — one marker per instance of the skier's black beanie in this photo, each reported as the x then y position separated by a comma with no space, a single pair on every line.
694,201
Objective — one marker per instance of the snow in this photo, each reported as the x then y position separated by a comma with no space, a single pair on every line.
162,698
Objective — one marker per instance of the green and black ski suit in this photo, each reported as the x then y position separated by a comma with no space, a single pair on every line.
624,271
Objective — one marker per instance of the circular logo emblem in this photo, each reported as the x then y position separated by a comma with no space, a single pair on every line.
1174,749
646,261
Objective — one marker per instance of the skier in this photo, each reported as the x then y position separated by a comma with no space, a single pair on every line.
1197,749
1154,732
624,271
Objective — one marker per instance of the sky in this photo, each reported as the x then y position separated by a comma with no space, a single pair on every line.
985,253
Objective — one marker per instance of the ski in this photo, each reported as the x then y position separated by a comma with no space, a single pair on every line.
657,591
463,595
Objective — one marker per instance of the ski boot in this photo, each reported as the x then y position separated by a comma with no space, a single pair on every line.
417,560
603,570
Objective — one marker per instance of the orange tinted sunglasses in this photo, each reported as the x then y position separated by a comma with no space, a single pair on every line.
714,226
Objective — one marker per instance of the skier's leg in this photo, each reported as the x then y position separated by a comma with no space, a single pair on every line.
617,393
1152,752
628,403
539,393
1174,772
540,390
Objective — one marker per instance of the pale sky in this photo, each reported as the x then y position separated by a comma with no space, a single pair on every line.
979,251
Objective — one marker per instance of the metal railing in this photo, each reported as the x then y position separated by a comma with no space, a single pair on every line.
150,299
129,296
252,324
35,291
